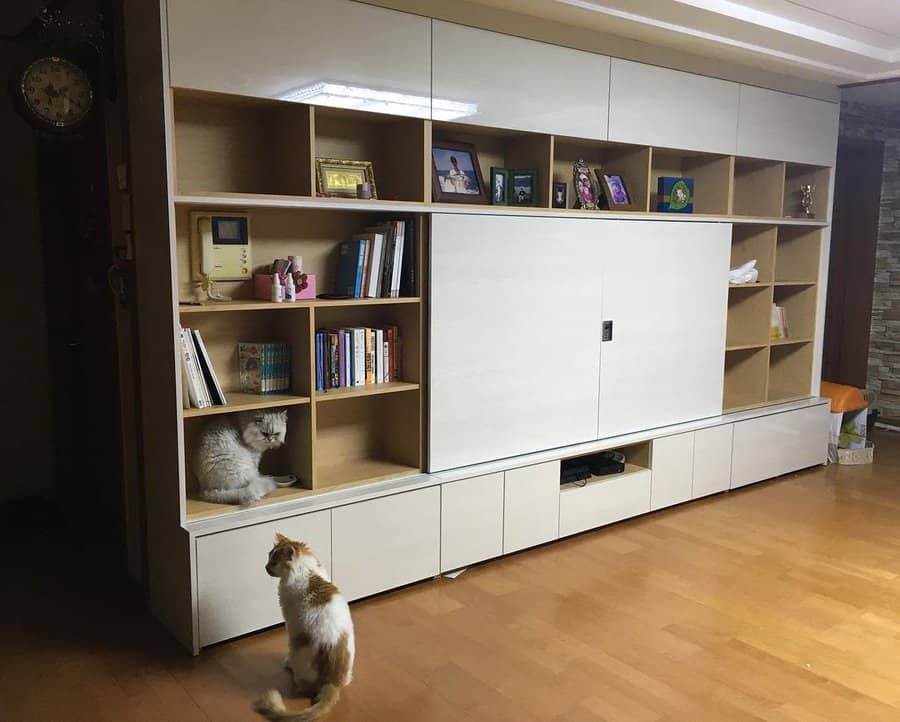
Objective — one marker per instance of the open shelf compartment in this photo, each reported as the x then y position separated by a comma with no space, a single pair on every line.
797,254
712,176
232,144
790,372
758,188
630,162
749,314
746,378
395,146
798,175
753,242
799,304
511,149
637,459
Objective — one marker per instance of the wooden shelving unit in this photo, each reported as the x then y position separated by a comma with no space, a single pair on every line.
630,162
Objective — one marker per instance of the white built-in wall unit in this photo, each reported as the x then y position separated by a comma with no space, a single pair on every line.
506,373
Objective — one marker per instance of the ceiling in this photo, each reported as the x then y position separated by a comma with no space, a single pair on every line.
837,41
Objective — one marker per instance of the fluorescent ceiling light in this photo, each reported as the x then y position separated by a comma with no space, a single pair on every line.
336,95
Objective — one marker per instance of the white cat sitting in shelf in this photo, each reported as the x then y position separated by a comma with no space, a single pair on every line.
227,455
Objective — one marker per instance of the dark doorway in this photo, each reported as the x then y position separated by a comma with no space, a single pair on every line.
851,275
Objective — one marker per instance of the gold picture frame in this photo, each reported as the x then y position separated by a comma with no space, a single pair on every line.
338,177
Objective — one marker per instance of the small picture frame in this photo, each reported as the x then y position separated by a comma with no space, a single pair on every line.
560,194
336,177
456,173
499,186
523,187
614,191
586,189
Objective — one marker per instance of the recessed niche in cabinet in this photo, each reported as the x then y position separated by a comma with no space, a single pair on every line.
790,371
800,309
749,313
758,187
711,173
510,149
746,372
395,145
753,242
637,458
797,254
232,144
796,176
630,162
367,439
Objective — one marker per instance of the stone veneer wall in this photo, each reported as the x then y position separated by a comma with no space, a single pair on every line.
875,122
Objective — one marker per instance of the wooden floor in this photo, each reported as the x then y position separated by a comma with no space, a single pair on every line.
777,602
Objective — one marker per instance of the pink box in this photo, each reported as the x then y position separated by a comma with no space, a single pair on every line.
304,282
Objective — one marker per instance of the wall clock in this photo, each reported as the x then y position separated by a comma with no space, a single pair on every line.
54,93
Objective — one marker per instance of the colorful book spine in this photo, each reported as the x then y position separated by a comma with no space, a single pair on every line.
348,357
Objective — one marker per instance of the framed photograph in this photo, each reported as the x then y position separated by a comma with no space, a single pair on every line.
337,177
456,176
586,189
614,191
523,187
560,194
499,186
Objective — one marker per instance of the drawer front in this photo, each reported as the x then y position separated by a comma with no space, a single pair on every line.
773,445
497,74
603,502
234,593
387,542
712,460
531,506
673,470
471,521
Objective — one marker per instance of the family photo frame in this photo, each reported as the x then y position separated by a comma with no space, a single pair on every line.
456,173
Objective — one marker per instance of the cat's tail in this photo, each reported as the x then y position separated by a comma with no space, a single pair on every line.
271,705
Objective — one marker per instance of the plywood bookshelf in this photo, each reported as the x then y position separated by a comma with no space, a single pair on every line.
760,370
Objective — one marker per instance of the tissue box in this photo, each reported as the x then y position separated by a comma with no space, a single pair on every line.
675,195
305,284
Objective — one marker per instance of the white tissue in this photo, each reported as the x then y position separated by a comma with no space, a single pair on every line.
748,273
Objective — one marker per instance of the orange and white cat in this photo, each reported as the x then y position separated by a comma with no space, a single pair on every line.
320,633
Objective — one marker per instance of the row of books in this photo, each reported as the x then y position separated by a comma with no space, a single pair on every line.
265,368
378,263
357,356
778,327
199,378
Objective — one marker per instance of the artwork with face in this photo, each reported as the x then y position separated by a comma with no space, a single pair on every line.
456,174
586,189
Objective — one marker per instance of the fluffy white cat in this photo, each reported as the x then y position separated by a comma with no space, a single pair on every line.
227,454
320,633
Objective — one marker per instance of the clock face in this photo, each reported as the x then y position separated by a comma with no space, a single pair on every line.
57,91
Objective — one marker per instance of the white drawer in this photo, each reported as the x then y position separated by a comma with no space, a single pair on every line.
712,460
234,593
603,502
531,506
387,542
673,470
471,521
769,446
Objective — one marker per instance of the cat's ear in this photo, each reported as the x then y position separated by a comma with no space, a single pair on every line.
283,416
281,539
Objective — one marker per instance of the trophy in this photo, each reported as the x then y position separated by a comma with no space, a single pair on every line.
807,202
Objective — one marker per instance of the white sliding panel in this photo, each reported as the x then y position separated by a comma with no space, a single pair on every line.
787,127
515,336
649,105
665,287
274,48
521,84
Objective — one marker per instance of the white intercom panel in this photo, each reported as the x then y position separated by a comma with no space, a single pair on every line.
220,246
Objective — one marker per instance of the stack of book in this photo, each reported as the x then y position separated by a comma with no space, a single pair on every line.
778,328
356,357
198,375
379,263
265,368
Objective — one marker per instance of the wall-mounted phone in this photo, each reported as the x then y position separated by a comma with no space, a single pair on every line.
220,246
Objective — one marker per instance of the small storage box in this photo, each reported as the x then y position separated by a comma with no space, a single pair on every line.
857,456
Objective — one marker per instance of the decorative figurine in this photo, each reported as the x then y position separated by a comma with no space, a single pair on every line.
807,201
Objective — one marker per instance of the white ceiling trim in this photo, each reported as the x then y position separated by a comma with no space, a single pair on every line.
731,42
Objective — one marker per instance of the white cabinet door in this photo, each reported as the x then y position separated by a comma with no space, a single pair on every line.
673,470
510,82
665,287
515,336
787,127
603,501
712,460
234,593
471,521
386,543
275,48
649,105
772,445
531,506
